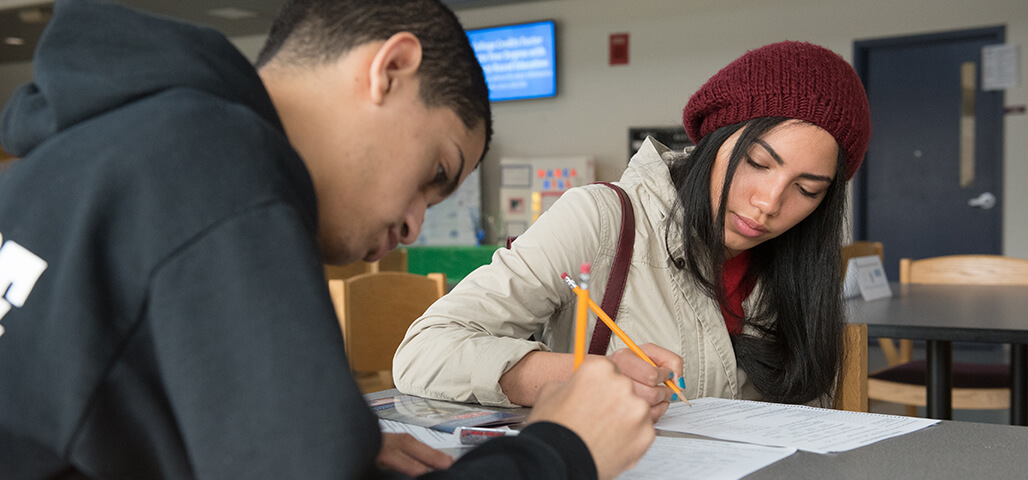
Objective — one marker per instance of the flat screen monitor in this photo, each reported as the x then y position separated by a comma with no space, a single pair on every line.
519,61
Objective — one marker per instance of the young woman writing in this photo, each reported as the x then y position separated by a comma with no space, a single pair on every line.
733,284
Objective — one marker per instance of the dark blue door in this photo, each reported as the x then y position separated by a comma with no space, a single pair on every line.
932,180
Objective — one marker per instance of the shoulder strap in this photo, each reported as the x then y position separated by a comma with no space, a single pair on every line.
618,273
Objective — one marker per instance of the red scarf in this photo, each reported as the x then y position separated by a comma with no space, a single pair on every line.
735,291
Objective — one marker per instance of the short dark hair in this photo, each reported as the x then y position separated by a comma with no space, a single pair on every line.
315,32
799,311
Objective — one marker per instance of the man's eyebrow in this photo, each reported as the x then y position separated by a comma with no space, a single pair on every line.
456,178
778,159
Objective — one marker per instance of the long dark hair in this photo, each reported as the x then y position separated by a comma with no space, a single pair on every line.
799,312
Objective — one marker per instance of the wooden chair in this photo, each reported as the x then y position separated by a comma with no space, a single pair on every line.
374,311
394,261
893,355
975,386
851,389
860,249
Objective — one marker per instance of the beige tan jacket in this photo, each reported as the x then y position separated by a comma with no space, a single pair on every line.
465,341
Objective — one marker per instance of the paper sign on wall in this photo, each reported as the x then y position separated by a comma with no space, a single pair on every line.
999,67
865,276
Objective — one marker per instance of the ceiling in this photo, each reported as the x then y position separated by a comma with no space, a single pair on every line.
25,19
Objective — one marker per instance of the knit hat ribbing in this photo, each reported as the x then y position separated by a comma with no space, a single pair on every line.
788,79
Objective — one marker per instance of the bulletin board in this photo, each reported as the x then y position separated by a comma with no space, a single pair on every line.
528,186
455,221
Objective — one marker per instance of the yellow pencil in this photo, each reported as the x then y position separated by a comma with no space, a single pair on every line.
619,332
581,319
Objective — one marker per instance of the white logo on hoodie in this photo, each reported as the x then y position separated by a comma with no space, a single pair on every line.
19,271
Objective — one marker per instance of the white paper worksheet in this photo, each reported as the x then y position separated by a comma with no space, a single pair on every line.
432,438
818,430
679,458
692,458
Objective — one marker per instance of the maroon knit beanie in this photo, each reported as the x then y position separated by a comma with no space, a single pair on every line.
788,79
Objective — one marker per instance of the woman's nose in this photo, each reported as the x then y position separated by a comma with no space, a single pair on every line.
768,199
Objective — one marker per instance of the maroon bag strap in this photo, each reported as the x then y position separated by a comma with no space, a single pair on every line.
618,273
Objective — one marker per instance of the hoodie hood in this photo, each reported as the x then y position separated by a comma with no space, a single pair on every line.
94,58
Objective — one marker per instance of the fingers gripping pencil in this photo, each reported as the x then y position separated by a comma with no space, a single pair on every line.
614,328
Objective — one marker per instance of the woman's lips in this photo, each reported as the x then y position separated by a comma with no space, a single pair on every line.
747,227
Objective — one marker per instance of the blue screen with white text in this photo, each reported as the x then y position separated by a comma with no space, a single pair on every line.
519,61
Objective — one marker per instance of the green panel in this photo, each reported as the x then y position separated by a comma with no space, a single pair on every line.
455,262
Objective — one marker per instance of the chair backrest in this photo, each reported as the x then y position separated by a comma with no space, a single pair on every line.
375,309
860,249
394,261
851,387
965,270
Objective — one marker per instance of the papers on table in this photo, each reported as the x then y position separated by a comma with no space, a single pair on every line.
691,458
428,436
759,434
687,458
812,429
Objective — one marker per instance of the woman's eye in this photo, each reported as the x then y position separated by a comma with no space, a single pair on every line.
808,193
755,164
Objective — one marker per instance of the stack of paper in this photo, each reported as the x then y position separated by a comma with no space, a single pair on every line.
818,430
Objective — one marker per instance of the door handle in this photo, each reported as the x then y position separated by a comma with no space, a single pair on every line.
984,201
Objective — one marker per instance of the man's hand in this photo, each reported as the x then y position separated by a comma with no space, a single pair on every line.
601,407
649,380
405,454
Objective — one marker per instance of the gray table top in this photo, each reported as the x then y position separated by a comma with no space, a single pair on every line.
968,313
947,450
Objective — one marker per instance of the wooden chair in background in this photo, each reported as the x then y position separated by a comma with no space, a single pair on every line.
394,261
893,355
860,249
975,386
851,389
374,311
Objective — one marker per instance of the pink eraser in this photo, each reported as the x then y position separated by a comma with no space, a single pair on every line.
585,268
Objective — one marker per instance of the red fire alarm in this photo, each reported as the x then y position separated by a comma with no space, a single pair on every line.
619,49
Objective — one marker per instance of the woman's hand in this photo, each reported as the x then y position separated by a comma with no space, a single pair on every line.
405,454
649,380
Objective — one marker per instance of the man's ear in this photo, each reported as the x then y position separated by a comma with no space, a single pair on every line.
395,63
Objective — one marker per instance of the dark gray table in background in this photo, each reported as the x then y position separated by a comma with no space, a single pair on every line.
943,314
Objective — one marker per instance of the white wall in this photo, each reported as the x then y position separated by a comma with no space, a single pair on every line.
676,45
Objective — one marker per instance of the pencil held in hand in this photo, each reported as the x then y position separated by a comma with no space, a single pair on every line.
581,313
614,328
